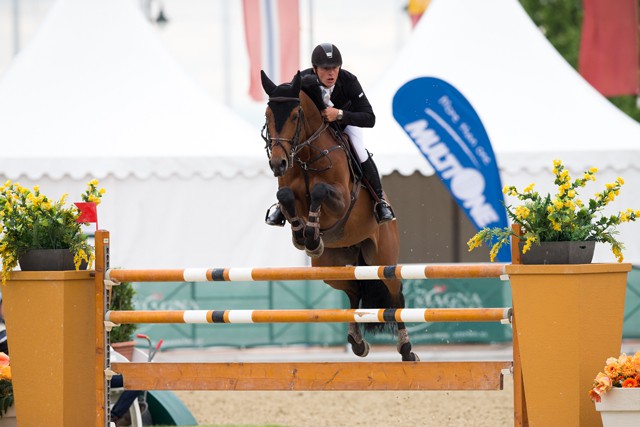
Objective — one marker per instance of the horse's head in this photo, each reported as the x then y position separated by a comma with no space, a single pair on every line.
284,118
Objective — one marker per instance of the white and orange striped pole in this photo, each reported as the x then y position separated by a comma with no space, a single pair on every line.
417,315
408,271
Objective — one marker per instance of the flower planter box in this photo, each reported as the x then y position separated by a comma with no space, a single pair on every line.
560,337
50,318
620,407
9,418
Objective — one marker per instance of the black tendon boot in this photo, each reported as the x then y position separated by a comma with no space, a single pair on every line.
382,209
275,216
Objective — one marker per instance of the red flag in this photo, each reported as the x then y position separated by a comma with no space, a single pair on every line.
88,212
609,46
272,33
416,8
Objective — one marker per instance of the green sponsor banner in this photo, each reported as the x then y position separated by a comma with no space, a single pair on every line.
631,327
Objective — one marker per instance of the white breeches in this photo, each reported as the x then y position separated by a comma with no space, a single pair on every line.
356,136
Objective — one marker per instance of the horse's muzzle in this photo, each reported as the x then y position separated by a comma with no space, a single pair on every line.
279,166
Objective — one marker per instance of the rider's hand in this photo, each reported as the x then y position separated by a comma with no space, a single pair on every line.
330,114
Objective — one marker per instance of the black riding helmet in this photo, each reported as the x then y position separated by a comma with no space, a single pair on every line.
326,55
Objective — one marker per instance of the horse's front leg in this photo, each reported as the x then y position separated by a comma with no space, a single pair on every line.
321,193
287,201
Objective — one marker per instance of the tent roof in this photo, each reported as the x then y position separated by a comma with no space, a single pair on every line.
534,105
96,93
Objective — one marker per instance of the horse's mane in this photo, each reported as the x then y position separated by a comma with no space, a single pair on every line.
311,87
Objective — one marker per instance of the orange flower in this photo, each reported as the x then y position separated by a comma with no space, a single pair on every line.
4,359
630,383
5,373
595,396
612,370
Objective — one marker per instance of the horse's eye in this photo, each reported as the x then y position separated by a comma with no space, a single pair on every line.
294,116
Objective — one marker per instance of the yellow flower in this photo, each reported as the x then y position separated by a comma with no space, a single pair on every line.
528,244
593,170
522,212
529,189
474,242
94,182
557,163
620,181
571,194
557,204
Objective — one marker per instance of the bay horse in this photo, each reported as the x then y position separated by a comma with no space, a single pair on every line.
319,195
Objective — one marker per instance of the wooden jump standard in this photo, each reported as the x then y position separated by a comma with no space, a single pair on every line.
299,375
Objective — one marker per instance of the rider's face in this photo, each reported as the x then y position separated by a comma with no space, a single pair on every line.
327,75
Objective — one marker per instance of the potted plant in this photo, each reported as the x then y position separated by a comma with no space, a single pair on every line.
553,221
32,222
616,391
46,306
121,337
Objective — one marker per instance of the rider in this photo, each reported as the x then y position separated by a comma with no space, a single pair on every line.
348,105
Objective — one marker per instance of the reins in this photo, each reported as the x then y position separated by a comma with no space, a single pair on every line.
296,145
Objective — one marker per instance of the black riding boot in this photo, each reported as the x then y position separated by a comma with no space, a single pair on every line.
382,209
275,216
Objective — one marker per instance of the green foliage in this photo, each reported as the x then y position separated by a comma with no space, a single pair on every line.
6,396
561,22
122,299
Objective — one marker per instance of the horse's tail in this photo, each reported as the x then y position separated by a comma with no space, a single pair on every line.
376,295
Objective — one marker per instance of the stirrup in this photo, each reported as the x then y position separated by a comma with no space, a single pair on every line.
275,218
383,212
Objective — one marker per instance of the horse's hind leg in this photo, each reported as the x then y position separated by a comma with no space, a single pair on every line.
359,346
404,345
288,203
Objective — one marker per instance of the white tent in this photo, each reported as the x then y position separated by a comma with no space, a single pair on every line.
95,95
534,105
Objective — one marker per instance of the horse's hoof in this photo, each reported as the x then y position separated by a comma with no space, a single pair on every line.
359,349
315,253
411,358
299,246
407,354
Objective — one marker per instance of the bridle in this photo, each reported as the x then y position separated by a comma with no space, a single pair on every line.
294,142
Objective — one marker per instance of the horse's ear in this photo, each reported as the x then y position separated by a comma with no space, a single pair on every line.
295,83
267,84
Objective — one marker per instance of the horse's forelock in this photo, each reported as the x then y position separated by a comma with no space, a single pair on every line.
282,109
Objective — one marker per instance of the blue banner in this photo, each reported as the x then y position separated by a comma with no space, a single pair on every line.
450,135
